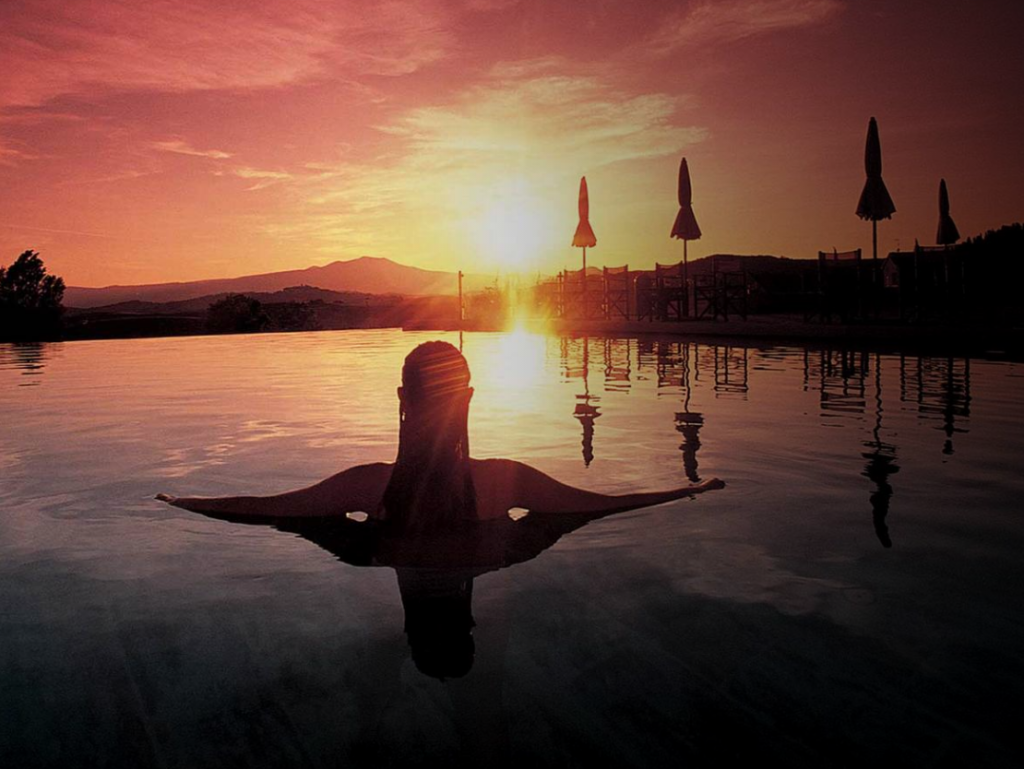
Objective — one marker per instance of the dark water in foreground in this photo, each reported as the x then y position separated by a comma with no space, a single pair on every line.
853,595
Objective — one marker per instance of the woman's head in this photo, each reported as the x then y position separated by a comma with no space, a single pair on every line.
435,375
431,484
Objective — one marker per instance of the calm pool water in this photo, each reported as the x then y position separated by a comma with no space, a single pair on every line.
853,594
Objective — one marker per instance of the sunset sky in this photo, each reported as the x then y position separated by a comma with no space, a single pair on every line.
155,141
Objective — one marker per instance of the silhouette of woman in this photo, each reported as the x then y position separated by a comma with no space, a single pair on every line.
443,516
433,484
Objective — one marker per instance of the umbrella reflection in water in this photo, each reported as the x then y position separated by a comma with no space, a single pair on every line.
689,422
586,411
881,457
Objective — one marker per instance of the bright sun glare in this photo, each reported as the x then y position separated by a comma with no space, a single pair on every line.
514,368
513,228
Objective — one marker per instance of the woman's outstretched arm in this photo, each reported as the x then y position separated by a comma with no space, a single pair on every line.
358,489
540,493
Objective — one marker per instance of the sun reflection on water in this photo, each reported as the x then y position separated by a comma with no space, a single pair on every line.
514,366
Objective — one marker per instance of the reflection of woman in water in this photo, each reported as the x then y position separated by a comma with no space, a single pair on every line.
443,516
433,484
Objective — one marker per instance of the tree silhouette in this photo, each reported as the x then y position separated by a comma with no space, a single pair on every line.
30,300
236,314
291,316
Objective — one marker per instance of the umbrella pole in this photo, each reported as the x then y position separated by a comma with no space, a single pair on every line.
686,278
583,274
874,266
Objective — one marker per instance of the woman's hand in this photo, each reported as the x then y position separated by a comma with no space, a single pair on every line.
540,493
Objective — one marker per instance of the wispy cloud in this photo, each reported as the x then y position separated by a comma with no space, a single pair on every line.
520,137
708,22
48,49
56,230
490,5
561,121
263,179
391,37
117,176
10,156
527,68
180,147
33,115
254,173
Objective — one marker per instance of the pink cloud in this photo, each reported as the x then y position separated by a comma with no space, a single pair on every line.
180,147
261,178
49,49
443,165
575,121
9,155
708,22
490,5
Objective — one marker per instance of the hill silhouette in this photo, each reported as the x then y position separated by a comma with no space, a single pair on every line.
367,274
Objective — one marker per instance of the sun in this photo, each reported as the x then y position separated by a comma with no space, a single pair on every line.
513,228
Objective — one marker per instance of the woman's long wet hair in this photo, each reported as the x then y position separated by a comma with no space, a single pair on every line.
431,486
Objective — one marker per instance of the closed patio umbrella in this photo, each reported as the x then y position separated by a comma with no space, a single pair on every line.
948,234
685,227
584,236
875,202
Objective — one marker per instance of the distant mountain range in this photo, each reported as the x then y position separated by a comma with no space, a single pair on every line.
356,281
365,275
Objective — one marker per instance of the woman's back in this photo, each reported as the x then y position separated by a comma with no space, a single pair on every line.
494,483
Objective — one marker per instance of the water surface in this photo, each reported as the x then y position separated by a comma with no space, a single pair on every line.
852,594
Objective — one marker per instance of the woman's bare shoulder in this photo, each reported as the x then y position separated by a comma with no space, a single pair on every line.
374,470
493,466
499,472
366,482
358,488
495,482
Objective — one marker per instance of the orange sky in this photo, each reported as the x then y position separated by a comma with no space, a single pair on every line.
144,142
